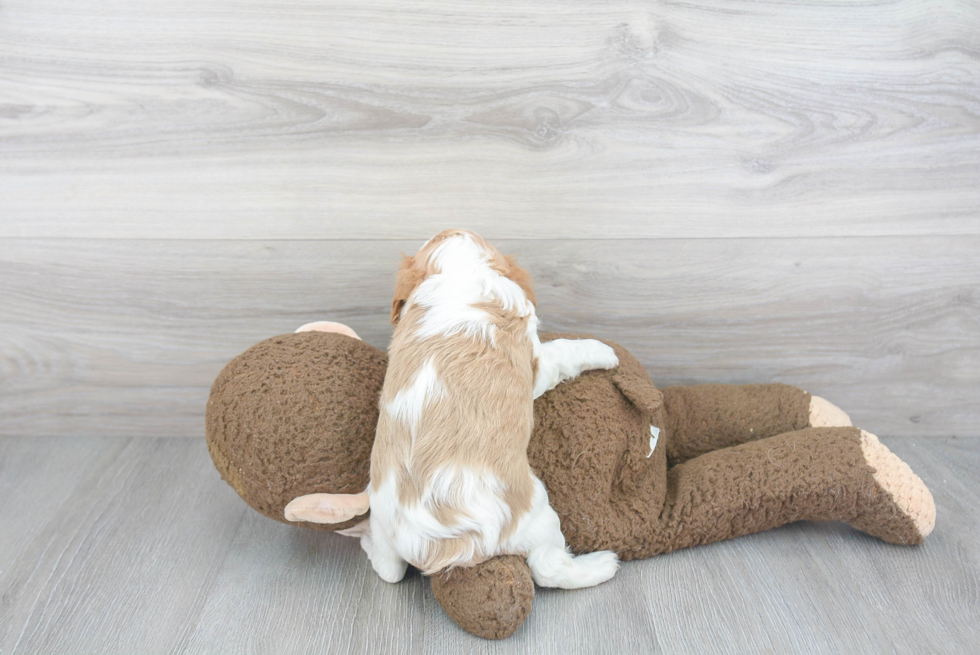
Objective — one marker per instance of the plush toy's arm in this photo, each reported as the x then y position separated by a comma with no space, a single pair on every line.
703,418
490,600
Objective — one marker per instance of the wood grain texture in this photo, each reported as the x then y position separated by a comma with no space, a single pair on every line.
116,337
266,119
124,562
142,548
735,191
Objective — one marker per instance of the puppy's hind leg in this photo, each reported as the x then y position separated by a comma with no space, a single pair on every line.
386,561
539,535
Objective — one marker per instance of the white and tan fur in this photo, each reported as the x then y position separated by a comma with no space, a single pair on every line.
450,481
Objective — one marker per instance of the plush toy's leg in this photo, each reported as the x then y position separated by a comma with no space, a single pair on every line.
816,474
703,418
490,600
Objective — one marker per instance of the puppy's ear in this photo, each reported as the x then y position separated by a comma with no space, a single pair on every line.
521,277
409,277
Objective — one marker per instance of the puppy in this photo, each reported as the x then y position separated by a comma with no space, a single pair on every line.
450,481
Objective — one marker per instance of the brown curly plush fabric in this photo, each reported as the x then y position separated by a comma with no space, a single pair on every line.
816,474
489,601
706,417
590,447
295,415
753,469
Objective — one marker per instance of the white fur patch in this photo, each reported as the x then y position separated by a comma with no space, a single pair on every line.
414,528
400,534
465,279
564,359
532,333
408,403
538,535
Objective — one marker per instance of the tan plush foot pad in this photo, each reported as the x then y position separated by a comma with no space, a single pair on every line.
911,514
825,414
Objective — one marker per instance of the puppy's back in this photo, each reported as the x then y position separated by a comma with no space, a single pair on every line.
449,465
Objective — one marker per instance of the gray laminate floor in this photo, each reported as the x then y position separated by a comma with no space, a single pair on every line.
135,545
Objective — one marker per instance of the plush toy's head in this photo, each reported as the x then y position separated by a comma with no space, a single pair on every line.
296,415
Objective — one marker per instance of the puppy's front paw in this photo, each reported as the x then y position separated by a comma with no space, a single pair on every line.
598,355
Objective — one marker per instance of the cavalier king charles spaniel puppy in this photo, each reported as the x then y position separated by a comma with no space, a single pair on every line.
450,483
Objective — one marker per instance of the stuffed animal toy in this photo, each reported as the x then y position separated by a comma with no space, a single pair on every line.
628,467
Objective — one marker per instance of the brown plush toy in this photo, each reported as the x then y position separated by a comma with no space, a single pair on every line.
628,468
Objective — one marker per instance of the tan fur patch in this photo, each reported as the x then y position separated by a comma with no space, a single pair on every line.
414,270
410,276
507,266
482,422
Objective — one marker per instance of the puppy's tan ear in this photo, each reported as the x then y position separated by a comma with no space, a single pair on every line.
409,277
521,277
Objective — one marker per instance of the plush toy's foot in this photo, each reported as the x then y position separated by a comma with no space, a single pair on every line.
904,512
328,326
490,600
825,414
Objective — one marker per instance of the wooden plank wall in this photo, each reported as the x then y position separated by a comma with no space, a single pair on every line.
736,191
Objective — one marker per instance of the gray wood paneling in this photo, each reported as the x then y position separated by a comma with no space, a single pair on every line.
138,546
266,119
548,127
117,337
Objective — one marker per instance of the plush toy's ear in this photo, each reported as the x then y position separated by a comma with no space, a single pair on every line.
633,380
409,277
328,326
327,508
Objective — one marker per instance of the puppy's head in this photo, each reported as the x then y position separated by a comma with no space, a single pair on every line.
410,275
428,261
507,266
